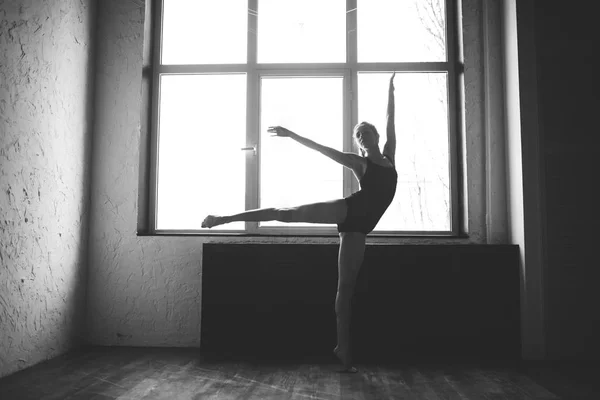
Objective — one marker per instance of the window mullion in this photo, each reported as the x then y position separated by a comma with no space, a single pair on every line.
156,62
252,140
347,137
454,114
350,184
252,32
252,117
351,23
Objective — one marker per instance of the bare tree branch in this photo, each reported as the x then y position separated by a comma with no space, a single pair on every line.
431,14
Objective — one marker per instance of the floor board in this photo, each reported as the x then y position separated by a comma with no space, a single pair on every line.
171,373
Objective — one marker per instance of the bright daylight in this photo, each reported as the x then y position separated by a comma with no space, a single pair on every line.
203,116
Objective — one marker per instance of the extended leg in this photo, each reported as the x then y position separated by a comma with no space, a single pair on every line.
328,212
351,255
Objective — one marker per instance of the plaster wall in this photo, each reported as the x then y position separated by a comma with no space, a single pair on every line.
45,137
146,290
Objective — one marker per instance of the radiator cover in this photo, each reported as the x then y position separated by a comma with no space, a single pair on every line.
276,302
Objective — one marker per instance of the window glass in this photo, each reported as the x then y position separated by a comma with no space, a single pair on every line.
290,173
422,201
301,31
204,32
202,127
203,112
401,30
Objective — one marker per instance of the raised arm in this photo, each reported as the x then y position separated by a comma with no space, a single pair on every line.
389,149
348,160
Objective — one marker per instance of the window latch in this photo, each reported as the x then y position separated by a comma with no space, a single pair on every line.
253,148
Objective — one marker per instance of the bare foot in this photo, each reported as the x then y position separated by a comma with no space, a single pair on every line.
212,220
345,359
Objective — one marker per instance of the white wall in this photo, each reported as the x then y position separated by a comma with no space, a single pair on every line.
146,291
45,137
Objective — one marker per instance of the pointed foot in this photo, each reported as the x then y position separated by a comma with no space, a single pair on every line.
345,360
211,220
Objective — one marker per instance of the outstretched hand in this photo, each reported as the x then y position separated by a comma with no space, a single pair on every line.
280,131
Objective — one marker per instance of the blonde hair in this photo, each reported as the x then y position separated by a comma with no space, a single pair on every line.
368,126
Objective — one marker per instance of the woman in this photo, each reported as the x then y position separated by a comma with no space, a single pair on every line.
355,216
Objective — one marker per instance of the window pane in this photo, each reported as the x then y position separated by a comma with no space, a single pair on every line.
291,174
301,31
201,169
401,30
422,201
204,31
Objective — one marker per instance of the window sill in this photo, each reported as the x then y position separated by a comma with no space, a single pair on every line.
299,235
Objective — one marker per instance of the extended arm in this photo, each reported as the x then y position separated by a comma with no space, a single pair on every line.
348,160
389,149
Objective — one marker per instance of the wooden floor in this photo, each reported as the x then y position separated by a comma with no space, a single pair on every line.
150,373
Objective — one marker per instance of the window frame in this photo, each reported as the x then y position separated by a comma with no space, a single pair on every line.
349,70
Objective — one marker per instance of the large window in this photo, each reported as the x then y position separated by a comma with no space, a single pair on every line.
224,71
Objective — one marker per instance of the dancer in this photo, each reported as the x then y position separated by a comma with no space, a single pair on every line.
355,216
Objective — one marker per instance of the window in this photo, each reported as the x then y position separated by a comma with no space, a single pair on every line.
223,71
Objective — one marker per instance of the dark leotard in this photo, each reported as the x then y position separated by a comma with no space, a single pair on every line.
365,207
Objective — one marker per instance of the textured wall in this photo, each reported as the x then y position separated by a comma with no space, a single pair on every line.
45,138
473,141
146,291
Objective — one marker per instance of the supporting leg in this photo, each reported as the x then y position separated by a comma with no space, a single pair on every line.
328,212
350,258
